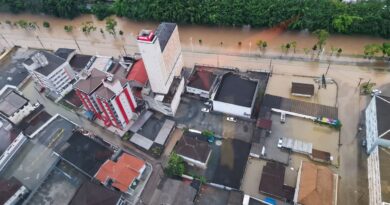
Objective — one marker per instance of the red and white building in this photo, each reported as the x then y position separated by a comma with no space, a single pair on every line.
109,97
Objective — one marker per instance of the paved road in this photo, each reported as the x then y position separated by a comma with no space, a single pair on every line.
352,170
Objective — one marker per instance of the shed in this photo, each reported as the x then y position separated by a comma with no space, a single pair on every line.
302,89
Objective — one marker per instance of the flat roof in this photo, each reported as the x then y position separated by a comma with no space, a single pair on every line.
236,90
90,193
92,82
383,115
164,32
7,134
302,88
201,79
164,132
34,121
84,153
11,102
384,166
272,181
80,61
64,52
53,62
8,187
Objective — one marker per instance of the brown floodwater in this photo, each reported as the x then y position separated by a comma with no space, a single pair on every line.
211,36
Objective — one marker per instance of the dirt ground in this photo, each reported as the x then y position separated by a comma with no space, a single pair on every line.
280,85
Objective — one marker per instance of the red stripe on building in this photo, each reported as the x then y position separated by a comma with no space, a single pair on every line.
112,114
78,93
107,120
129,99
119,103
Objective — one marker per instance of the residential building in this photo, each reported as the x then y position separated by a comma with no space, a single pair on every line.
201,82
378,147
162,57
193,150
316,185
65,53
90,193
122,174
50,72
236,95
13,105
12,191
108,97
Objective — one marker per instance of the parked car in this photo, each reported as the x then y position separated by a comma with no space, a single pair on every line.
283,117
205,109
208,103
231,119
280,142
376,92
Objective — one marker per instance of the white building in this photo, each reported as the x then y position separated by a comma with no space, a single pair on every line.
162,56
378,147
201,82
235,95
50,72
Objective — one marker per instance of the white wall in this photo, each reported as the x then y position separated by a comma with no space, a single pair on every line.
197,91
176,99
231,109
194,162
371,124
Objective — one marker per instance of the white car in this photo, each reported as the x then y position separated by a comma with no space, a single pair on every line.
283,117
231,119
280,142
375,92
208,103
205,110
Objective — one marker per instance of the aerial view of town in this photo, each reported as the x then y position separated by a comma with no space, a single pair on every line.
195,102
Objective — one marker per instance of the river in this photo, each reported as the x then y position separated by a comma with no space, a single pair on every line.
190,35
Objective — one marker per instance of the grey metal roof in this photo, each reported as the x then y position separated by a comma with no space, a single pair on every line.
164,132
53,63
80,61
64,52
383,115
164,32
236,90
94,194
11,103
141,141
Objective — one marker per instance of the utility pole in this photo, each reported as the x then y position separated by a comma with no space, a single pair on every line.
40,42
124,49
77,44
360,80
5,39
327,69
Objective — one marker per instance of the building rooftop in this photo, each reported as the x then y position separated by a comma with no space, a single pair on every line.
64,52
172,91
202,79
90,193
84,153
122,173
193,148
174,192
383,116
49,62
138,73
272,181
104,92
384,166
92,82
316,185
234,89
7,134
80,61
164,32
11,102
34,121
302,89
8,187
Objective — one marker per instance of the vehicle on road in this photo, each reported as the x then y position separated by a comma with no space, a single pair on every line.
283,117
205,109
280,142
231,119
376,92
208,103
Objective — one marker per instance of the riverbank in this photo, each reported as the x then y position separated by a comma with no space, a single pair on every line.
193,37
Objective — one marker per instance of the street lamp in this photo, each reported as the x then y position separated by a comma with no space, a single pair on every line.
192,45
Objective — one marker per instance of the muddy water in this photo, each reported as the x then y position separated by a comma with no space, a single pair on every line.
190,35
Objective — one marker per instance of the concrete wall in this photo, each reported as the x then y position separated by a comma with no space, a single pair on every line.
231,109
176,99
371,125
194,162
197,91
374,180
172,54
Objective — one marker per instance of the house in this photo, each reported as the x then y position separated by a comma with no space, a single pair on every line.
12,191
109,97
50,72
65,53
316,185
162,57
13,105
193,150
201,82
302,89
90,193
378,148
122,174
236,95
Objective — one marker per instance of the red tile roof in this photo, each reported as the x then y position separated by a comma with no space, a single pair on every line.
123,172
138,73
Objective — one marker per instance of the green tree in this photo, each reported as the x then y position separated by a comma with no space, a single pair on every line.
339,51
175,165
101,10
386,49
322,35
68,28
121,32
370,50
22,24
343,22
46,24
259,44
111,25
294,45
88,27
265,44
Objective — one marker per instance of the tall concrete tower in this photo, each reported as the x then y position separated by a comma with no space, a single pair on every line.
161,53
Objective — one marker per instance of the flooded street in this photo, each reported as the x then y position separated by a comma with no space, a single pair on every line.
193,37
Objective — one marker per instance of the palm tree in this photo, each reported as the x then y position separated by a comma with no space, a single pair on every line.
294,45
